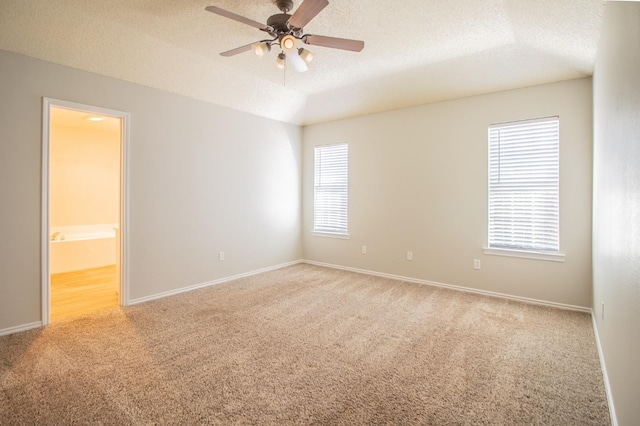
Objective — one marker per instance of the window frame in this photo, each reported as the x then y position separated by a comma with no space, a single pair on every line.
316,230
530,253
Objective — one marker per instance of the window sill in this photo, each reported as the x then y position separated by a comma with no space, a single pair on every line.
331,235
536,255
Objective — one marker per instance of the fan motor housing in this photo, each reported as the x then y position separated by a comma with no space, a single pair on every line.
279,22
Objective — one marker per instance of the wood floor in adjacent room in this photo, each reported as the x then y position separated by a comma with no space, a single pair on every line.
80,292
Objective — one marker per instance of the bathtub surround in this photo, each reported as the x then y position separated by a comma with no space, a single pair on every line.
83,232
309,345
73,248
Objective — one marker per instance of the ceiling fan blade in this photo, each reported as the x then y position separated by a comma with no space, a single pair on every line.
334,42
306,12
231,15
237,50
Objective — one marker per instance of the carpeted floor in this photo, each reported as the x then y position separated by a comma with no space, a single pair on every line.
308,345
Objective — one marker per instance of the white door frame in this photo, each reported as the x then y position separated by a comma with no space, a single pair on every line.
47,104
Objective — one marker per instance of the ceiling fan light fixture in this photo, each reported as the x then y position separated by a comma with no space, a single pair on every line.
288,43
306,55
261,49
285,30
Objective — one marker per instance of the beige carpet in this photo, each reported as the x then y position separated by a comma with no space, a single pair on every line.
308,345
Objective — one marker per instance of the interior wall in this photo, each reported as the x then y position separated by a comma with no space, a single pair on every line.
84,176
418,182
616,205
202,179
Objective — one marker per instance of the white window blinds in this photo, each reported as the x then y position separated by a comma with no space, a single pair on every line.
331,181
524,174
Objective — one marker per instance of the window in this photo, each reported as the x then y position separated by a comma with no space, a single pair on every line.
330,195
524,170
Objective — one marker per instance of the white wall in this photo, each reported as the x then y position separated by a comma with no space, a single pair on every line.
418,181
84,176
616,205
203,179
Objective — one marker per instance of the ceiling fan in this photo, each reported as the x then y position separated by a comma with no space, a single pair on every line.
286,30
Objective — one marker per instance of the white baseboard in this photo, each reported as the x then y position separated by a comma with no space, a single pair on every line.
605,377
452,287
30,326
19,328
210,283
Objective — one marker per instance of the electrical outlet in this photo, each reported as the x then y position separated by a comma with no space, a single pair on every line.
409,255
476,264
221,256
364,249
602,310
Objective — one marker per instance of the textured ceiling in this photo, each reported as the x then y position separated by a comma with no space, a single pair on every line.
416,51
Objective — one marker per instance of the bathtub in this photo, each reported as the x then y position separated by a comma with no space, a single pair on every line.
79,247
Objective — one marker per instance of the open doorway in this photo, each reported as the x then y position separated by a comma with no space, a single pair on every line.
84,151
